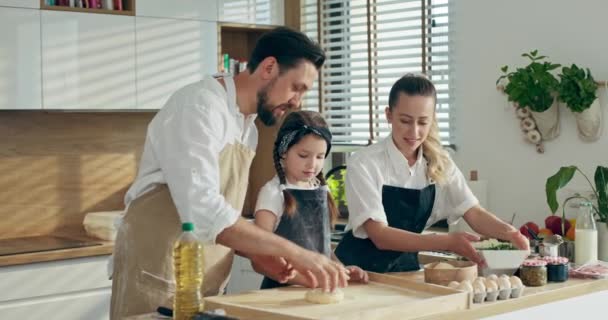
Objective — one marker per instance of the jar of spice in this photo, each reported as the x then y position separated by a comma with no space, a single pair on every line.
533,272
557,268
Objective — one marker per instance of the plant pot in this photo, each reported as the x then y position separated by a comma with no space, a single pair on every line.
547,121
602,241
589,122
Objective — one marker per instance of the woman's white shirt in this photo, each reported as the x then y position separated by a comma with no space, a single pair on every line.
271,198
182,149
383,164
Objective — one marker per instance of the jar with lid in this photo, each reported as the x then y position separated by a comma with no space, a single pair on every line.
557,269
533,273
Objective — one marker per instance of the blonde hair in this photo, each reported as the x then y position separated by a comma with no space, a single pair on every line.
437,158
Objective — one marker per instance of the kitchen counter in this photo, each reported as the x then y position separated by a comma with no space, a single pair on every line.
104,248
553,296
532,297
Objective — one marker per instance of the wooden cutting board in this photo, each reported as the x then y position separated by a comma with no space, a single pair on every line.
385,297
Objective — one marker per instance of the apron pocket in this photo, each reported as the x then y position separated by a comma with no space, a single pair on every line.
157,290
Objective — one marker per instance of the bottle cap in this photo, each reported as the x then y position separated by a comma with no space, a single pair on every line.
187,226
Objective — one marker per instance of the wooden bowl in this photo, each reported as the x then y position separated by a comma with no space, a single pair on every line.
463,270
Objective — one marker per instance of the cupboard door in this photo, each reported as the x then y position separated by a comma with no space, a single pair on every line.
88,61
252,11
32,4
170,54
187,9
20,81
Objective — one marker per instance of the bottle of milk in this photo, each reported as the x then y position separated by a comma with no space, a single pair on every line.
585,245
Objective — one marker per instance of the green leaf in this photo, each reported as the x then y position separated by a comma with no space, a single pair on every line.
601,186
555,182
533,53
504,69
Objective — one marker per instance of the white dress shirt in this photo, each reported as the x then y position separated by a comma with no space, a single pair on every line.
182,149
271,198
383,164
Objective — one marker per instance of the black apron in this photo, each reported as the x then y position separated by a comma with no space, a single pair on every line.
406,209
309,227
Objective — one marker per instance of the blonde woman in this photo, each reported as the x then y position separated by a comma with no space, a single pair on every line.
407,182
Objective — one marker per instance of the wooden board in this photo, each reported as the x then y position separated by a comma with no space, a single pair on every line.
385,297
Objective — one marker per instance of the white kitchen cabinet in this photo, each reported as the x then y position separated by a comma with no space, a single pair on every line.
88,61
170,54
252,11
57,290
33,4
181,9
20,62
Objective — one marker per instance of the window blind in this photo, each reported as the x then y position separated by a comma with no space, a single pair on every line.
369,45
249,11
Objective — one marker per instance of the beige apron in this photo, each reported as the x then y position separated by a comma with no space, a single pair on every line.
143,267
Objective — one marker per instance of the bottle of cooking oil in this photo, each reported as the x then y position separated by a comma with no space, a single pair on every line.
188,267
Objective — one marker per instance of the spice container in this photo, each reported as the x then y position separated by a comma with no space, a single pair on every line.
557,269
533,273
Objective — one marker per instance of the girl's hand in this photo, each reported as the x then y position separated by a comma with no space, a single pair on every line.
357,274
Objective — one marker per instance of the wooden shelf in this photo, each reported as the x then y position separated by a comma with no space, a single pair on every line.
129,9
238,40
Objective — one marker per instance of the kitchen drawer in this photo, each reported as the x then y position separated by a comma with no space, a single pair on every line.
54,278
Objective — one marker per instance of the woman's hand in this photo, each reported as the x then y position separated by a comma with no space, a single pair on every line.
357,274
460,243
518,240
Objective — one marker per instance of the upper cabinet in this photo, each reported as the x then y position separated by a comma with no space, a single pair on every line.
170,54
34,4
183,9
20,85
88,61
252,11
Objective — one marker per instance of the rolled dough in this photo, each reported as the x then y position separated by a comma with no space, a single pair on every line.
320,297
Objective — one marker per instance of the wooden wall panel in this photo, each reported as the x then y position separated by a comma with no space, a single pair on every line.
55,167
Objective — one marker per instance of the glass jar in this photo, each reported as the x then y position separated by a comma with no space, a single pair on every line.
533,273
557,269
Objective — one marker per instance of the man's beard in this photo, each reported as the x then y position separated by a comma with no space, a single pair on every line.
264,110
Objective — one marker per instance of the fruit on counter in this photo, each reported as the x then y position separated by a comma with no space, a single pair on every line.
554,223
529,225
570,235
544,232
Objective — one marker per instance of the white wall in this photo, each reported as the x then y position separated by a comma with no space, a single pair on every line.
491,33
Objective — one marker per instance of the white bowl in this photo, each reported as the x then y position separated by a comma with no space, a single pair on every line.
502,261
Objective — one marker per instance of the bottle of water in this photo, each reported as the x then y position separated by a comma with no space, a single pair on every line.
188,267
585,233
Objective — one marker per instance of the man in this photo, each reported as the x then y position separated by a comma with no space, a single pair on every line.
195,168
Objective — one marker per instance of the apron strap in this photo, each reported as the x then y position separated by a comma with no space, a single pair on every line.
231,92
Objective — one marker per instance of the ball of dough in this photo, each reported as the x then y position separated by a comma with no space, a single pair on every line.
321,297
443,265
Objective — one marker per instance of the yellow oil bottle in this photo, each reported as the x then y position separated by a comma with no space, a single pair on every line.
188,268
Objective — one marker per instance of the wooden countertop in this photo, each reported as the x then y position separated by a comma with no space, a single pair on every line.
532,296
105,248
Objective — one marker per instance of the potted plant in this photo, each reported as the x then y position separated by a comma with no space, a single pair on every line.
534,87
577,89
335,182
600,191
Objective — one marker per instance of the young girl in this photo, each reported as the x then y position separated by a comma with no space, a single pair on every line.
398,186
296,203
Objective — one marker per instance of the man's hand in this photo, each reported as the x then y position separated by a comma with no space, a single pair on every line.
518,240
276,268
357,274
460,243
319,270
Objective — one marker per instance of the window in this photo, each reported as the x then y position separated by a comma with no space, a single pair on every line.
369,45
252,11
